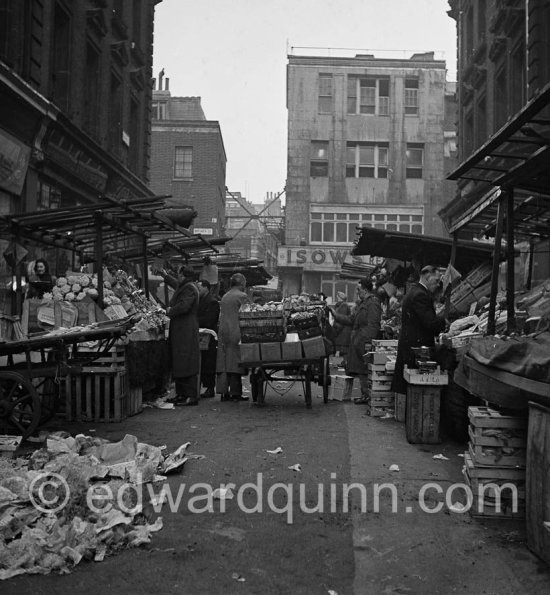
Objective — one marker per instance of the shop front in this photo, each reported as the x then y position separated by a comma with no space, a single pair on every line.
312,269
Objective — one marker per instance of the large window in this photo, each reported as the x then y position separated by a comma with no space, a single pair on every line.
367,160
183,162
91,95
415,160
319,159
330,286
61,58
369,95
341,227
411,96
159,110
325,93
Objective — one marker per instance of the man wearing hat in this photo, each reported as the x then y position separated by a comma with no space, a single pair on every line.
342,333
419,323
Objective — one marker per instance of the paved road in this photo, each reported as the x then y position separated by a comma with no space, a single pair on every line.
310,547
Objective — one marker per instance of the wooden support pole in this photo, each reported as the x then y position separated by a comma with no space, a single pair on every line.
452,264
511,263
99,256
18,281
531,263
491,325
145,269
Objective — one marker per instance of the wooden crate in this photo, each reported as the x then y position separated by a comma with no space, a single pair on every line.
379,385
492,473
505,438
270,352
340,388
135,400
538,481
114,359
400,407
250,352
494,457
487,417
423,408
382,399
314,348
413,376
97,396
291,350
385,343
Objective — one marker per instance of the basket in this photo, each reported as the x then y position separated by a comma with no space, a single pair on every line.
261,314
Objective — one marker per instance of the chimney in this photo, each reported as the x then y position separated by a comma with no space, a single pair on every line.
154,84
166,84
161,76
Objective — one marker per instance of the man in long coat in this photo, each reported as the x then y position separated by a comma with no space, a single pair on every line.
229,337
419,324
365,323
184,338
209,314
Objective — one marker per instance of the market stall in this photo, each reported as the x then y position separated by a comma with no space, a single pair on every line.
118,238
505,192
285,338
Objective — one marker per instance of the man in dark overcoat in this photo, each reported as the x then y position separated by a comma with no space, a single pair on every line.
419,323
229,338
209,314
184,337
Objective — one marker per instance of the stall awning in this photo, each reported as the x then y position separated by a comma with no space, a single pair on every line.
426,249
516,158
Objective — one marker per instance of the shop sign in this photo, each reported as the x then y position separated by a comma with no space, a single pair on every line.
317,258
14,161
205,231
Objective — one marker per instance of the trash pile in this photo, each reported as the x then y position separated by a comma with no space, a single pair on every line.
78,499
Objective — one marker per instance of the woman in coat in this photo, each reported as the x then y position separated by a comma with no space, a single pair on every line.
229,337
365,323
184,338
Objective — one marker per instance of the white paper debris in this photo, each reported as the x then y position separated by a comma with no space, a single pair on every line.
457,507
394,468
460,454
276,451
237,577
296,467
387,416
223,494
440,457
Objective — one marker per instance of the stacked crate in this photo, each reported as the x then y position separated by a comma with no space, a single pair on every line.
496,455
381,400
99,391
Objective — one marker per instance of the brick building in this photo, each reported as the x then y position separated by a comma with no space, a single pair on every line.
75,94
503,64
369,142
188,158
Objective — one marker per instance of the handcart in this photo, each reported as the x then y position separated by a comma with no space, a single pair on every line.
304,370
30,389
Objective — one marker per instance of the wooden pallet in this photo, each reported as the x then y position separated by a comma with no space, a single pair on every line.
486,417
495,473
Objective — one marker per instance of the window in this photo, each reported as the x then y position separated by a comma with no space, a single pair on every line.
411,96
517,74
369,95
91,86
319,159
481,21
481,122
136,21
367,160
330,286
159,110
415,160
341,227
6,43
501,103
325,93
115,115
468,136
61,58
183,162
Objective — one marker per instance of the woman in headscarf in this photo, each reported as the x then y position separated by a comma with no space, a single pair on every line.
365,326
41,281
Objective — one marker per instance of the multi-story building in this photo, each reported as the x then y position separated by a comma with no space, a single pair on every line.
75,94
503,63
366,147
188,158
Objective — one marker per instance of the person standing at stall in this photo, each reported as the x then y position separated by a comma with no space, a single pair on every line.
419,323
209,314
365,323
342,333
184,338
40,282
229,337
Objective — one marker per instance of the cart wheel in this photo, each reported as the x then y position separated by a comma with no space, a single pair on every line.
325,375
307,386
19,403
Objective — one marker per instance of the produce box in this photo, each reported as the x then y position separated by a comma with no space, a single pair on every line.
478,275
250,352
384,344
482,291
270,352
438,378
314,347
341,388
291,350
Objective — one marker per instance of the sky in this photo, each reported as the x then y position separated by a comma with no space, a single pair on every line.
233,54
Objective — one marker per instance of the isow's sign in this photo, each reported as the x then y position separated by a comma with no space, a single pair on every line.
320,258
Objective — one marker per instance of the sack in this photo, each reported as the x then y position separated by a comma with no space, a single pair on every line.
222,384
